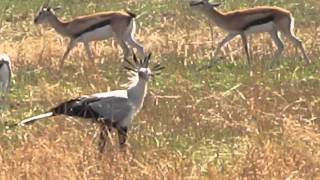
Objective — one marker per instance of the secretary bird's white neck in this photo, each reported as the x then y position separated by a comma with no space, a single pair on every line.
137,92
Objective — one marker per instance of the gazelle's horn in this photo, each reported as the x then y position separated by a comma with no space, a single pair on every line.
45,4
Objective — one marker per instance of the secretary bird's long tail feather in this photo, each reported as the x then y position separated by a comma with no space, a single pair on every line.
35,118
30,120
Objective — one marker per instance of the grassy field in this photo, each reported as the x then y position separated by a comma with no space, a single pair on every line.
227,122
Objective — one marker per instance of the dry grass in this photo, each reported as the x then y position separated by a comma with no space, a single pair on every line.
228,122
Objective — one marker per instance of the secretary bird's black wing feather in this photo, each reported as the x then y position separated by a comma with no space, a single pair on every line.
78,107
112,108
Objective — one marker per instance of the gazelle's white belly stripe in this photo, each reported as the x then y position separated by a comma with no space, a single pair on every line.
267,27
104,32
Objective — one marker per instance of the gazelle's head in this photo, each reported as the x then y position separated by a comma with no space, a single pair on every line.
44,13
202,5
142,69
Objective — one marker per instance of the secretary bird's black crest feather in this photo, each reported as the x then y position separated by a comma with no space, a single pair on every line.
142,63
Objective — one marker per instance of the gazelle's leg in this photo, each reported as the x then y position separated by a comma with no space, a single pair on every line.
287,30
128,37
89,53
280,47
297,43
71,45
246,47
226,39
124,48
136,45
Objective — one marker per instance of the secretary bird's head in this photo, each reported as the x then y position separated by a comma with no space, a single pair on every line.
141,67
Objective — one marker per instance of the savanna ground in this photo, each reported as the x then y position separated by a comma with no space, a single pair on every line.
228,122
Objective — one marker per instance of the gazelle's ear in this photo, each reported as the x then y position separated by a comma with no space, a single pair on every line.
57,8
215,4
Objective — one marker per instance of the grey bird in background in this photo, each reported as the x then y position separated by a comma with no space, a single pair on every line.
5,74
114,109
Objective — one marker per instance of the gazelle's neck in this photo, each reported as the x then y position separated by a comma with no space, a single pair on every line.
58,25
137,93
217,17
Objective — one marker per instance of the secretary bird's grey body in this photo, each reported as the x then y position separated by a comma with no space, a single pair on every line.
114,109
5,74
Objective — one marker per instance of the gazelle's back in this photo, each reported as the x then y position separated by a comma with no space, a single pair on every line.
259,10
81,23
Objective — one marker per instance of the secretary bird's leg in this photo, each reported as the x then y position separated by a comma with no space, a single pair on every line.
122,134
104,130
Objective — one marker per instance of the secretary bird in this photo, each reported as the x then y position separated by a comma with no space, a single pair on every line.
114,109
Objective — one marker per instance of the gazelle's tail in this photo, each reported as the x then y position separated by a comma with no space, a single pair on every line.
131,13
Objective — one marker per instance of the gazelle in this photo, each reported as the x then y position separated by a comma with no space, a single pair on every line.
252,20
94,27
